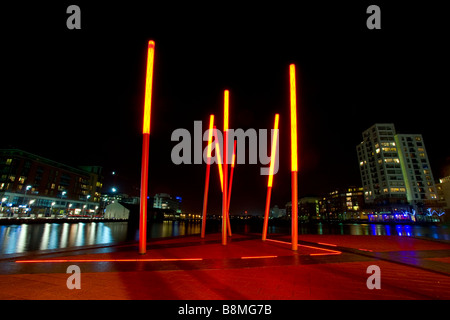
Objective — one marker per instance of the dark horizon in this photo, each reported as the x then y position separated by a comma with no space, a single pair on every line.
76,96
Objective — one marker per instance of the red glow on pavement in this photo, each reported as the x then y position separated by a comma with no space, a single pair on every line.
327,244
259,257
331,252
105,260
325,254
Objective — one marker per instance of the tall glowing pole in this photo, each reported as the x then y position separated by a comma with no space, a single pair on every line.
145,149
273,158
226,100
219,158
208,165
294,160
233,160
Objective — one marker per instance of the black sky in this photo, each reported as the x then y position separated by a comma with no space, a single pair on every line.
76,96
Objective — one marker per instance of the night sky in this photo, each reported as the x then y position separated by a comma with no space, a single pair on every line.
76,96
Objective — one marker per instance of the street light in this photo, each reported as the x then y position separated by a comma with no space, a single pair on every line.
62,195
3,200
26,189
85,206
51,208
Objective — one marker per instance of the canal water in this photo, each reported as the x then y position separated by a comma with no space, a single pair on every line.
26,238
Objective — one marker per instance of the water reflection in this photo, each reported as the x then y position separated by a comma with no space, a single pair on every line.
32,237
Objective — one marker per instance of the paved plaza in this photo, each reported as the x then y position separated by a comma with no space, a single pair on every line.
325,267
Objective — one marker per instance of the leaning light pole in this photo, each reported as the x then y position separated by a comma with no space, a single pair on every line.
145,149
273,158
226,99
294,160
208,166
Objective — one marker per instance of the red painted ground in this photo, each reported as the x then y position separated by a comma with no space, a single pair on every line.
224,275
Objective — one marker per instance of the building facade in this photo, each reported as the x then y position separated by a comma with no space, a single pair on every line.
34,185
395,173
308,209
343,204
166,202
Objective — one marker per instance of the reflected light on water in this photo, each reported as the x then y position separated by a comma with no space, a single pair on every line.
33,237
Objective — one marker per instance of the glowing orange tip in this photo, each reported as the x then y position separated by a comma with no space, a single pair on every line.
226,109
148,87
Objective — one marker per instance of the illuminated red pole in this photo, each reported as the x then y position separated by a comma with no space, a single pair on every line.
294,160
225,167
233,160
208,165
219,158
145,149
273,158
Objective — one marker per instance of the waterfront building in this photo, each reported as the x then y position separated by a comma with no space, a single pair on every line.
396,174
443,189
308,209
343,204
165,201
31,185
276,212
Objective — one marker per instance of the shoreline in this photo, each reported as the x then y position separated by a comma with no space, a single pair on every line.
22,220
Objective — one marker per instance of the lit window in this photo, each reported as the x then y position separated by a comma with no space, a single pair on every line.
8,161
377,150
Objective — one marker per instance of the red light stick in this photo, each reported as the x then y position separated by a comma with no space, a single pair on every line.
273,158
145,149
294,164
208,165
